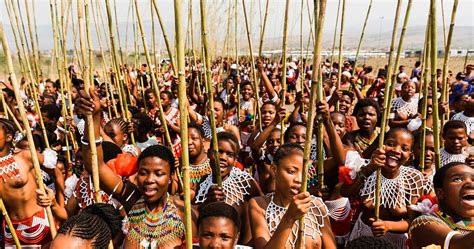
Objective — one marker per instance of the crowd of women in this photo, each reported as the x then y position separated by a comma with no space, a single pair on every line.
261,134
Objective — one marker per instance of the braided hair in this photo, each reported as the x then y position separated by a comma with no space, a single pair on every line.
120,123
98,223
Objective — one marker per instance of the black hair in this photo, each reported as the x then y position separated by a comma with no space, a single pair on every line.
338,114
10,93
62,159
198,128
364,103
7,126
120,122
417,136
98,222
77,82
246,83
290,129
161,152
347,93
148,91
111,151
168,94
454,124
57,84
229,137
438,179
392,131
458,97
145,121
219,100
220,210
51,111
285,150
370,242
269,103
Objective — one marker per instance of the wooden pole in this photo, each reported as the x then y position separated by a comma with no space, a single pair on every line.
115,60
210,94
425,97
36,35
183,110
87,85
118,33
104,64
445,92
9,224
20,16
387,103
341,36
254,73
301,65
444,23
335,32
57,42
31,76
362,34
262,34
400,43
29,136
283,59
153,78
32,41
319,26
153,37
434,82
165,37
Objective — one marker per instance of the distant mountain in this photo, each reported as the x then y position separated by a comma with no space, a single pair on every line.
463,37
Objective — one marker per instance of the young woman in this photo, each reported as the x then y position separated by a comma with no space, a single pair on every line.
274,218
405,107
400,187
117,131
453,225
429,169
367,113
147,201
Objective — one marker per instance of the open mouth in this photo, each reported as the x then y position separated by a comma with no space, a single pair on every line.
392,161
468,199
295,190
149,191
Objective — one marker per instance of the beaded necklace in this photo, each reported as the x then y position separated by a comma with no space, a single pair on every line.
8,167
456,223
161,230
361,143
198,171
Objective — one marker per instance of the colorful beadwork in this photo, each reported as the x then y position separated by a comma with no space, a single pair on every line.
162,230
8,167
198,171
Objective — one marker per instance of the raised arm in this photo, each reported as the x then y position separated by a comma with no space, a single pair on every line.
268,84
110,182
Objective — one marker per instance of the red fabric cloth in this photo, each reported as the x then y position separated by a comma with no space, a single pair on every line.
31,231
